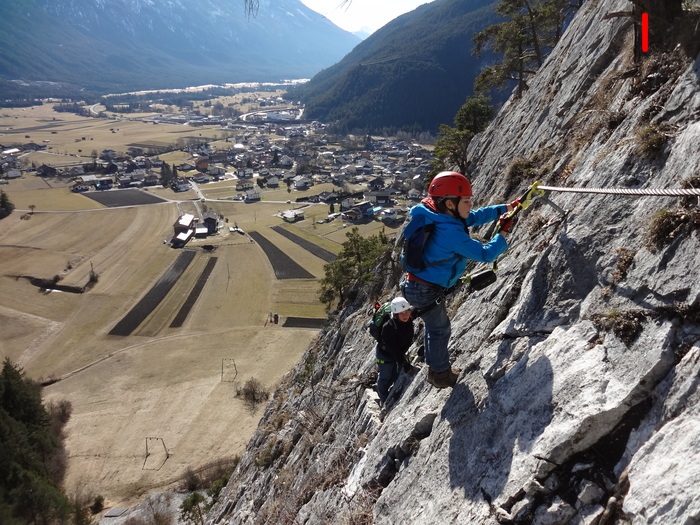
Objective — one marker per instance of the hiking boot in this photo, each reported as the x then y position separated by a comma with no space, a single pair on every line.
443,379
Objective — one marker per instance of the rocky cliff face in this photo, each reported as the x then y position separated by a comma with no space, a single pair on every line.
578,398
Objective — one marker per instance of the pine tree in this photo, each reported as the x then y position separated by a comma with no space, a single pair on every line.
451,147
6,205
166,175
32,463
353,266
530,31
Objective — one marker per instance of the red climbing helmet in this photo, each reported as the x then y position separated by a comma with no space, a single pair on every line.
450,184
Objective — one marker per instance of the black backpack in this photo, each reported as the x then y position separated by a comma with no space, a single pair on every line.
414,239
413,246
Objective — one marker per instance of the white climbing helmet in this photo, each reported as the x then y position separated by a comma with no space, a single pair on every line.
398,305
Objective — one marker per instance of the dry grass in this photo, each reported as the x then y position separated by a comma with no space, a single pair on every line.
650,141
625,325
692,182
625,257
57,196
666,225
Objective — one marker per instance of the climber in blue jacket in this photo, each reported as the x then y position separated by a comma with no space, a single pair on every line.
448,206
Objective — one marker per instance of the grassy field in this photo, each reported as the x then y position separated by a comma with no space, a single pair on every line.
159,382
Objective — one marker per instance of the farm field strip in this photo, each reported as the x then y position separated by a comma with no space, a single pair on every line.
283,265
154,296
298,298
304,322
371,227
297,253
309,246
118,198
315,232
194,294
49,200
157,321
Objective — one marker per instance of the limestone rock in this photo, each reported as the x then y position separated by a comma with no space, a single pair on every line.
664,473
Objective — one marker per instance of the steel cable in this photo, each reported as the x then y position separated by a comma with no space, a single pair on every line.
659,192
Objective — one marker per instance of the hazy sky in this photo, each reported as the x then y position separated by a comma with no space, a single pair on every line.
363,15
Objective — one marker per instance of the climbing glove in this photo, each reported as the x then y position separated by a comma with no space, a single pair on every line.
506,222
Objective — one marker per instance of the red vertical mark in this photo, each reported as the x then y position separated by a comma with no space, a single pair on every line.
645,32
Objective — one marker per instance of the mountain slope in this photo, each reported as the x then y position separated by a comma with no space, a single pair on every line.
415,72
129,44
579,399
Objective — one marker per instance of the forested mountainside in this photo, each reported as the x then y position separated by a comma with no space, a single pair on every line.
151,44
412,74
578,400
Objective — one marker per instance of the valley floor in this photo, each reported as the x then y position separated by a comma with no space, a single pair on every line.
167,391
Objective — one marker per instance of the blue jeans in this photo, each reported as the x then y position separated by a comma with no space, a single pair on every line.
437,323
387,374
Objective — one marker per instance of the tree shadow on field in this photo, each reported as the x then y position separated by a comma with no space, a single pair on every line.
517,410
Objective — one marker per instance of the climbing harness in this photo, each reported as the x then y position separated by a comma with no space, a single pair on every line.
537,191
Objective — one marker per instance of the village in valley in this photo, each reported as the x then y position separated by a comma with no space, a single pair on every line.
267,154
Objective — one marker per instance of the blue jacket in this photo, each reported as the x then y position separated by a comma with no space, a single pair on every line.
450,240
